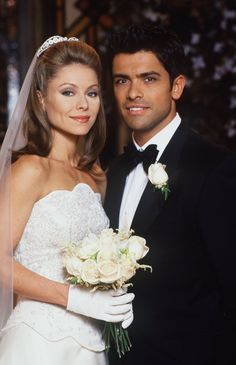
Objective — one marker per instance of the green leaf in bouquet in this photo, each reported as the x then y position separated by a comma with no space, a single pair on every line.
73,280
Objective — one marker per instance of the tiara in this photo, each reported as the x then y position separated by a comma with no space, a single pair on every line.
53,40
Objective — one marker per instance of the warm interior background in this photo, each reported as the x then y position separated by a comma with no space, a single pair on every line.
206,27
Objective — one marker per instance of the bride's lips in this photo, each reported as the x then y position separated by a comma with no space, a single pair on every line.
81,118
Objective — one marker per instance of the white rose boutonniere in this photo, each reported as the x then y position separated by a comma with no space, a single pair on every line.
159,178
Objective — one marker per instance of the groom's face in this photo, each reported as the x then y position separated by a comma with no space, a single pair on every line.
144,95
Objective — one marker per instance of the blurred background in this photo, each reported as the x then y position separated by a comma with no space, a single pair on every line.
207,29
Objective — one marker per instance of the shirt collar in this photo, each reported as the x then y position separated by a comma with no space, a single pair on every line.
162,138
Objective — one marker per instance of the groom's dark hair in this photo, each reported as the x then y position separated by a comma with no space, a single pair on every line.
165,44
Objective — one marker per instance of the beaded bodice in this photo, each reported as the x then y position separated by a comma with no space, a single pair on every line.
60,217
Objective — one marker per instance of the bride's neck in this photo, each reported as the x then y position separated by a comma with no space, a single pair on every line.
64,150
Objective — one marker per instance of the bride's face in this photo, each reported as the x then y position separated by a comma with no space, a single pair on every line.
72,100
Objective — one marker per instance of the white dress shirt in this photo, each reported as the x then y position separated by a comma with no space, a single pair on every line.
137,179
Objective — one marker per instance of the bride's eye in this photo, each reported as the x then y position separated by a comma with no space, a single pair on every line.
67,93
93,94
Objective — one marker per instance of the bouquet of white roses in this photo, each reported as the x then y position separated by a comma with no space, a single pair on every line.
104,261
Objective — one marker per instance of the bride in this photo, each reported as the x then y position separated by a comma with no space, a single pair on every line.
56,189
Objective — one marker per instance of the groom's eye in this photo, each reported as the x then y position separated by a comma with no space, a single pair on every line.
120,81
150,79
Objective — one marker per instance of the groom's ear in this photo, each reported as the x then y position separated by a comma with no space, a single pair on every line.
178,87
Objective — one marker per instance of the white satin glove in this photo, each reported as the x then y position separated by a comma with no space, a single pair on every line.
108,305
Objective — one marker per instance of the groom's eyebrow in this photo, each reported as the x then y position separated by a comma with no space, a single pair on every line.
148,73
140,75
120,75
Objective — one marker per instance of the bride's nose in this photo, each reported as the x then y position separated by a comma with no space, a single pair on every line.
81,102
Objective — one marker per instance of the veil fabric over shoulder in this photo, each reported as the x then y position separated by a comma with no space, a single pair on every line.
13,140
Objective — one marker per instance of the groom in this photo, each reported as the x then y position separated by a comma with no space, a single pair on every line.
185,310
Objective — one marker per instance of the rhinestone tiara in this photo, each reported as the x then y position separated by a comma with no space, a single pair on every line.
53,40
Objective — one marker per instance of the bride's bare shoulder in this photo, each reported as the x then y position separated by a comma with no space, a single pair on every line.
31,164
30,169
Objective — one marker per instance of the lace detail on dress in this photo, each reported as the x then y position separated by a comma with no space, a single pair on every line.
60,217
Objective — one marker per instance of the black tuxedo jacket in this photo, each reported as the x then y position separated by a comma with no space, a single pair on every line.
185,310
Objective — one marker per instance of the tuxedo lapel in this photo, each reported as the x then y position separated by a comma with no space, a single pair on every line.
114,193
149,207
152,202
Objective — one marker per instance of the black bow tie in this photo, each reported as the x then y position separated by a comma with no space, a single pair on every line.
133,156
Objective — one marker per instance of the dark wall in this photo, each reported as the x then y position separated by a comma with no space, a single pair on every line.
208,32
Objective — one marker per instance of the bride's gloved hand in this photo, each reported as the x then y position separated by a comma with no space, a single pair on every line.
107,305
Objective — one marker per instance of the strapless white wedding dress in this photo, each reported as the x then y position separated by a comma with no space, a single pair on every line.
45,334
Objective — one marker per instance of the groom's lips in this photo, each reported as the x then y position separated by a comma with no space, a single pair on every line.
136,109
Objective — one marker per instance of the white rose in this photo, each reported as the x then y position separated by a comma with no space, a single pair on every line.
109,271
137,247
89,272
108,252
89,246
122,245
108,265
108,236
107,232
157,175
128,268
73,265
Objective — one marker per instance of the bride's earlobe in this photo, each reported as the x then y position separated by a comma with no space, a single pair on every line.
41,99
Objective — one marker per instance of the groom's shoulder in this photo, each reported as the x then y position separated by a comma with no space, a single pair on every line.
202,148
115,163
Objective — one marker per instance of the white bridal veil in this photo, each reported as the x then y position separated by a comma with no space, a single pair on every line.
14,140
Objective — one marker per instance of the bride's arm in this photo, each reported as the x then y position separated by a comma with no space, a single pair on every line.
34,286
28,183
